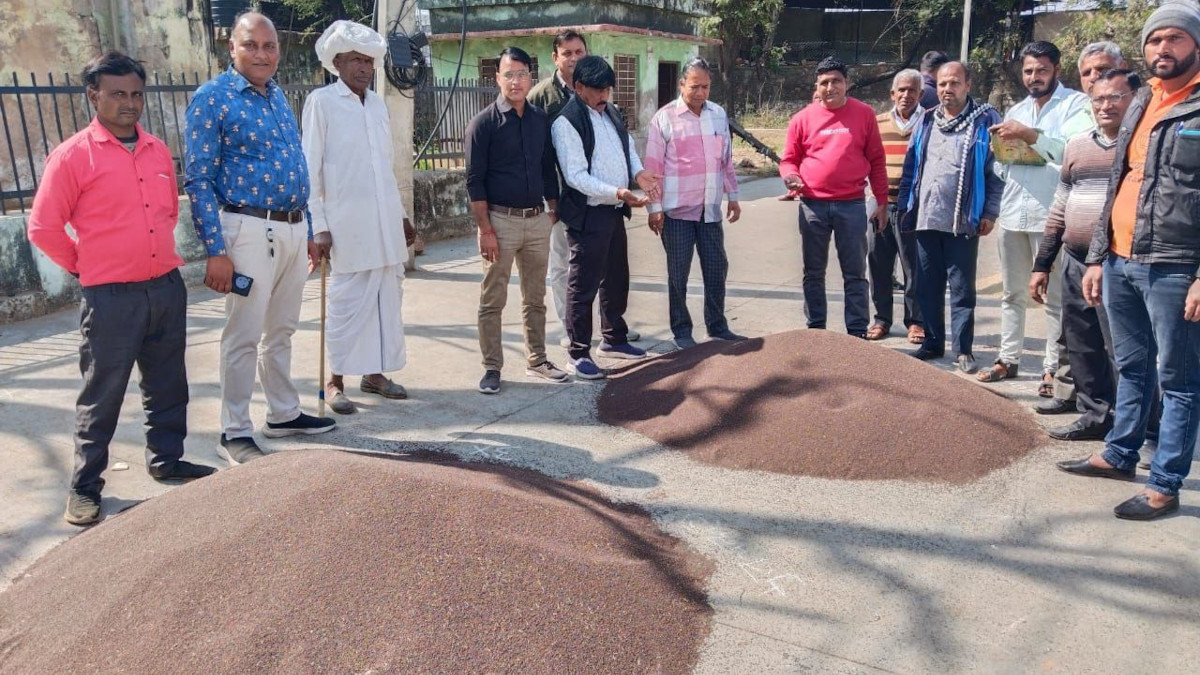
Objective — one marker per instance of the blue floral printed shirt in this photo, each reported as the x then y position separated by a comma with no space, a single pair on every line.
242,149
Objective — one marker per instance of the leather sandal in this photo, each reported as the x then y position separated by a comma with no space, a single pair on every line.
999,371
1046,387
916,335
876,332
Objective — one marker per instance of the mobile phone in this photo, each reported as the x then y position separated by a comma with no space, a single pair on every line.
242,284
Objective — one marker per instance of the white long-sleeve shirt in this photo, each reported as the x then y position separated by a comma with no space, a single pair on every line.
353,193
1029,190
608,160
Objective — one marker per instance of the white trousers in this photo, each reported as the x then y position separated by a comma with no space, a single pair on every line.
364,330
1017,252
259,328
560,257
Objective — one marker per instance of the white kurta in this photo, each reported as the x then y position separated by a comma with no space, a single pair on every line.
354,197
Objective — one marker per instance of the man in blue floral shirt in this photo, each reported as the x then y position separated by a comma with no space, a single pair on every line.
248,184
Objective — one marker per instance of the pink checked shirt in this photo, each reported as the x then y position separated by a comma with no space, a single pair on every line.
693,153
122,205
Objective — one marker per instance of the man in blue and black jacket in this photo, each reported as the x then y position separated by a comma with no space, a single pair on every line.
1144,264
950,196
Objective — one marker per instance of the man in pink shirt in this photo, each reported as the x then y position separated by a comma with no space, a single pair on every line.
833,149
115,185
690,147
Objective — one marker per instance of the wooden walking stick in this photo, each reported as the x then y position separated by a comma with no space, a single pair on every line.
321,381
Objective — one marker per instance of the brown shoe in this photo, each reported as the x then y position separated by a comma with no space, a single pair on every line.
916,335
387,390
999,371
877,331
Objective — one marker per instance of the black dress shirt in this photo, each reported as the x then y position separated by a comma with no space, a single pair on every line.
510,159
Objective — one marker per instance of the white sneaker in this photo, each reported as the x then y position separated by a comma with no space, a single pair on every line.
547,371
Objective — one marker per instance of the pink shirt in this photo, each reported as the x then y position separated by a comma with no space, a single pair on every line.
693,153
123,207
835,152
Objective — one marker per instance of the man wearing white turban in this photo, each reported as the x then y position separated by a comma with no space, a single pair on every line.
357,215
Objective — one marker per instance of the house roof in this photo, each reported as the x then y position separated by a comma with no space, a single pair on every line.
593,28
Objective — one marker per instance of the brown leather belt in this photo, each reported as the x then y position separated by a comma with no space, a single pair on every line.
517,213
280,216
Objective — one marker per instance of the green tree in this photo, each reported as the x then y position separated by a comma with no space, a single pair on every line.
746,29
997,32
324,12
1118,21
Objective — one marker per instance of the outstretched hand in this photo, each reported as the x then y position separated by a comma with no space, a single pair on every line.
649,183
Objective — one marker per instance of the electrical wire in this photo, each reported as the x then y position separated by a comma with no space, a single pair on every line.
405,78
462,47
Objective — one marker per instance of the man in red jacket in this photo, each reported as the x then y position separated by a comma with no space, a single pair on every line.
833,148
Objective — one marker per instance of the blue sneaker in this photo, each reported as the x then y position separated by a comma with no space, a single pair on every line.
585,369
625,351
684,342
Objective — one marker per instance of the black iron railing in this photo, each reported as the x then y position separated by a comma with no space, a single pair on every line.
446,150
39,115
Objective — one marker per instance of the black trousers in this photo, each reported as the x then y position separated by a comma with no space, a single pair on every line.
885,248
143,323
599,264
1089,347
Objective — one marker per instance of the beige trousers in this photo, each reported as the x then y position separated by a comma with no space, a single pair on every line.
258,328
525,241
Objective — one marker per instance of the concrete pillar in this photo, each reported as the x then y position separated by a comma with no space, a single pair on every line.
400,108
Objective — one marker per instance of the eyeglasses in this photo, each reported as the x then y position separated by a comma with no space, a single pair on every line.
515,75
1099,101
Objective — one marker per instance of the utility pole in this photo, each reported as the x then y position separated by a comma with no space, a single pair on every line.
381,26
966,38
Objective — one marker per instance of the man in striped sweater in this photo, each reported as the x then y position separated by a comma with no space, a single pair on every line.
1082,189
895,128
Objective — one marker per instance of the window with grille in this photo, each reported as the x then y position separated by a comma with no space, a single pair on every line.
488,68
624,94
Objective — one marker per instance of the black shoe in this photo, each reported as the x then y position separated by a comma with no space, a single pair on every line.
304,424
1080,431
490,384
928,354
727,335
181,470
83,508
1082,467
1055,406
239,450
1138,508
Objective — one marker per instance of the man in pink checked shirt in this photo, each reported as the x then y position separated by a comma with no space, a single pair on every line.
115,184
690,147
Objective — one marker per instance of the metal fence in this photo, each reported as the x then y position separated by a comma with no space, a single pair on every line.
446,150
39,115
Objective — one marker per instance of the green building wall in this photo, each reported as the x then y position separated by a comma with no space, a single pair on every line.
650,51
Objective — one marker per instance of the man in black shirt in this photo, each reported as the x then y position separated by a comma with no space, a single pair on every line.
510,170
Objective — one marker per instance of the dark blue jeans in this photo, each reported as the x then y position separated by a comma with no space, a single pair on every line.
1145,314
846,223
680,239
946,258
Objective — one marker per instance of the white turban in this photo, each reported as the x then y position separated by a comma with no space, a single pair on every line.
348,36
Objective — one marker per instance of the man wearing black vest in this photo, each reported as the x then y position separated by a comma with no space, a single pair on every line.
598,164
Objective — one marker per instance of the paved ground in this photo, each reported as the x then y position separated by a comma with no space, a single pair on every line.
1024,570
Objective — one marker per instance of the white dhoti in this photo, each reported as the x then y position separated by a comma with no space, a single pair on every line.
364,330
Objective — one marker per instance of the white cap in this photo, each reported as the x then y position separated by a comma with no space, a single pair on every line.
348,36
